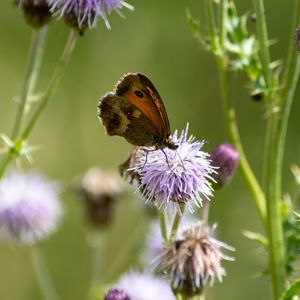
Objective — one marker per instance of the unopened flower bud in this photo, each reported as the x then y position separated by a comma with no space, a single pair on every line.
36,12
116,294
225,157
100,190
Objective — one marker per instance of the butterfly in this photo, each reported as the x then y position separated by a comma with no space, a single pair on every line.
136,112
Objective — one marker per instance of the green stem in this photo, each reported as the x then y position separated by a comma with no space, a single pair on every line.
56,77
32,70
96,241
263,41
205,212
42,274
211,24
222,23
230,115
234,137
278,123
163,225
176,221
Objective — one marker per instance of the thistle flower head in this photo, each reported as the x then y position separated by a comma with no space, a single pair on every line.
82,14
29,208
174,176
194,260
145,287
226,158
116,294
36,12
100,189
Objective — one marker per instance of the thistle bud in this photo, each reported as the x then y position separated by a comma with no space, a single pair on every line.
100,190
225,157
116,294
36,12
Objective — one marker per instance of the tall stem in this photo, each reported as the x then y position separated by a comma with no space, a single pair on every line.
177,220
32,70
263,40
56,77
163,225
34,62
42,274
278,123
229,111
234,137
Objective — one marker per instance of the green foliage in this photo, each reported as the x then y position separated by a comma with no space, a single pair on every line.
242,48
292,234
291,291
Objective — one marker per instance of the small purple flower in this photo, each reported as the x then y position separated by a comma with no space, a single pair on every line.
145,287
81,14
116,294
29,208
176,176
226,158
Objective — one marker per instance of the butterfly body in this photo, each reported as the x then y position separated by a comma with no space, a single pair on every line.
136,112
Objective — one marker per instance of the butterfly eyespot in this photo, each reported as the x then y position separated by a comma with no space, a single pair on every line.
139,94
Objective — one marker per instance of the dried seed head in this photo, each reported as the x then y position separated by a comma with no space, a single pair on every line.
100,190
194,261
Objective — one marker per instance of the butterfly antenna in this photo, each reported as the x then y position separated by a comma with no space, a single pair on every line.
180,159
166,159
146,159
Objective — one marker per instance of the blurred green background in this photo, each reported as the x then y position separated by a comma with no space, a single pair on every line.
154,39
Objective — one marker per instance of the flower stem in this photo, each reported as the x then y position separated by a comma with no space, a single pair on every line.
233,133
33,66
163,225
263,41
278,123
96,241
229,111
32,70
205,212
176,221
56,77
42,274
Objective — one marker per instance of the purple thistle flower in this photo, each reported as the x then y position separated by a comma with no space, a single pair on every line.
226,158
116,294
145,287
82,14
29,208
176,176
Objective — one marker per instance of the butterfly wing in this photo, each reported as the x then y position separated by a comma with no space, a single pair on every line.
122,118
141,93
